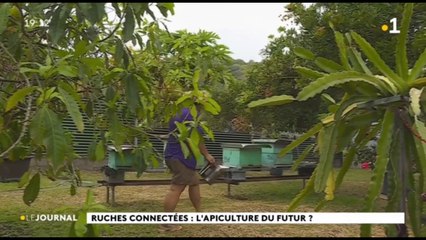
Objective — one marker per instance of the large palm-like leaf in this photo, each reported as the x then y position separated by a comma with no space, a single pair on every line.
374,105
333,79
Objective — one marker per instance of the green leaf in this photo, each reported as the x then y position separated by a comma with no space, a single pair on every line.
17,97
54,139
375,58
117,9
4,16
361,139
71,91
141,156
195,137
418,67
342,49
330,186
208,131
195,80
383,148
49,93
182,99
93,63
421,146
309,188
327,98
119,54
57,25
418,83
37,127
347,163
32,189
333,79
194,148
389,83
72,108
140,40
301,139
28,70
320,205
194,112
90,199
80,225
117,130
143,86
24,179
414,202
211,106
365,89
80,48
214,104
272,101
328,65
327,139
401,48
129,25
354,61
309,73
94,12
98,11
182,130
132,92
91,151
346,136
46,71
301,157
185,149
67,70
358,61
100,151
304,53
364,119
165,7
151,13
347,105
136,7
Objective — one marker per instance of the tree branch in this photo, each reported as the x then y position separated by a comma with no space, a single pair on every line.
27,112
113,31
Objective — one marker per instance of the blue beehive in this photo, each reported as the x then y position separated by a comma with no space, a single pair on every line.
238,155
270,154
118,161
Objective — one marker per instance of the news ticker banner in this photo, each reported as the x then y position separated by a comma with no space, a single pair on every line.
244,218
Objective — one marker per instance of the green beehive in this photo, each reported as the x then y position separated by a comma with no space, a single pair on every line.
124,161
270,154
239,155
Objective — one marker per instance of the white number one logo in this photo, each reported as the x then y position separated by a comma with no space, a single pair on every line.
394,30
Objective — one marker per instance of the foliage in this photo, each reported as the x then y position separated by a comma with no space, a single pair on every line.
79,60
80,228
175,61
63,59
376,102
277,74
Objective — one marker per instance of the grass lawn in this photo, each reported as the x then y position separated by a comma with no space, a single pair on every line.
271,196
